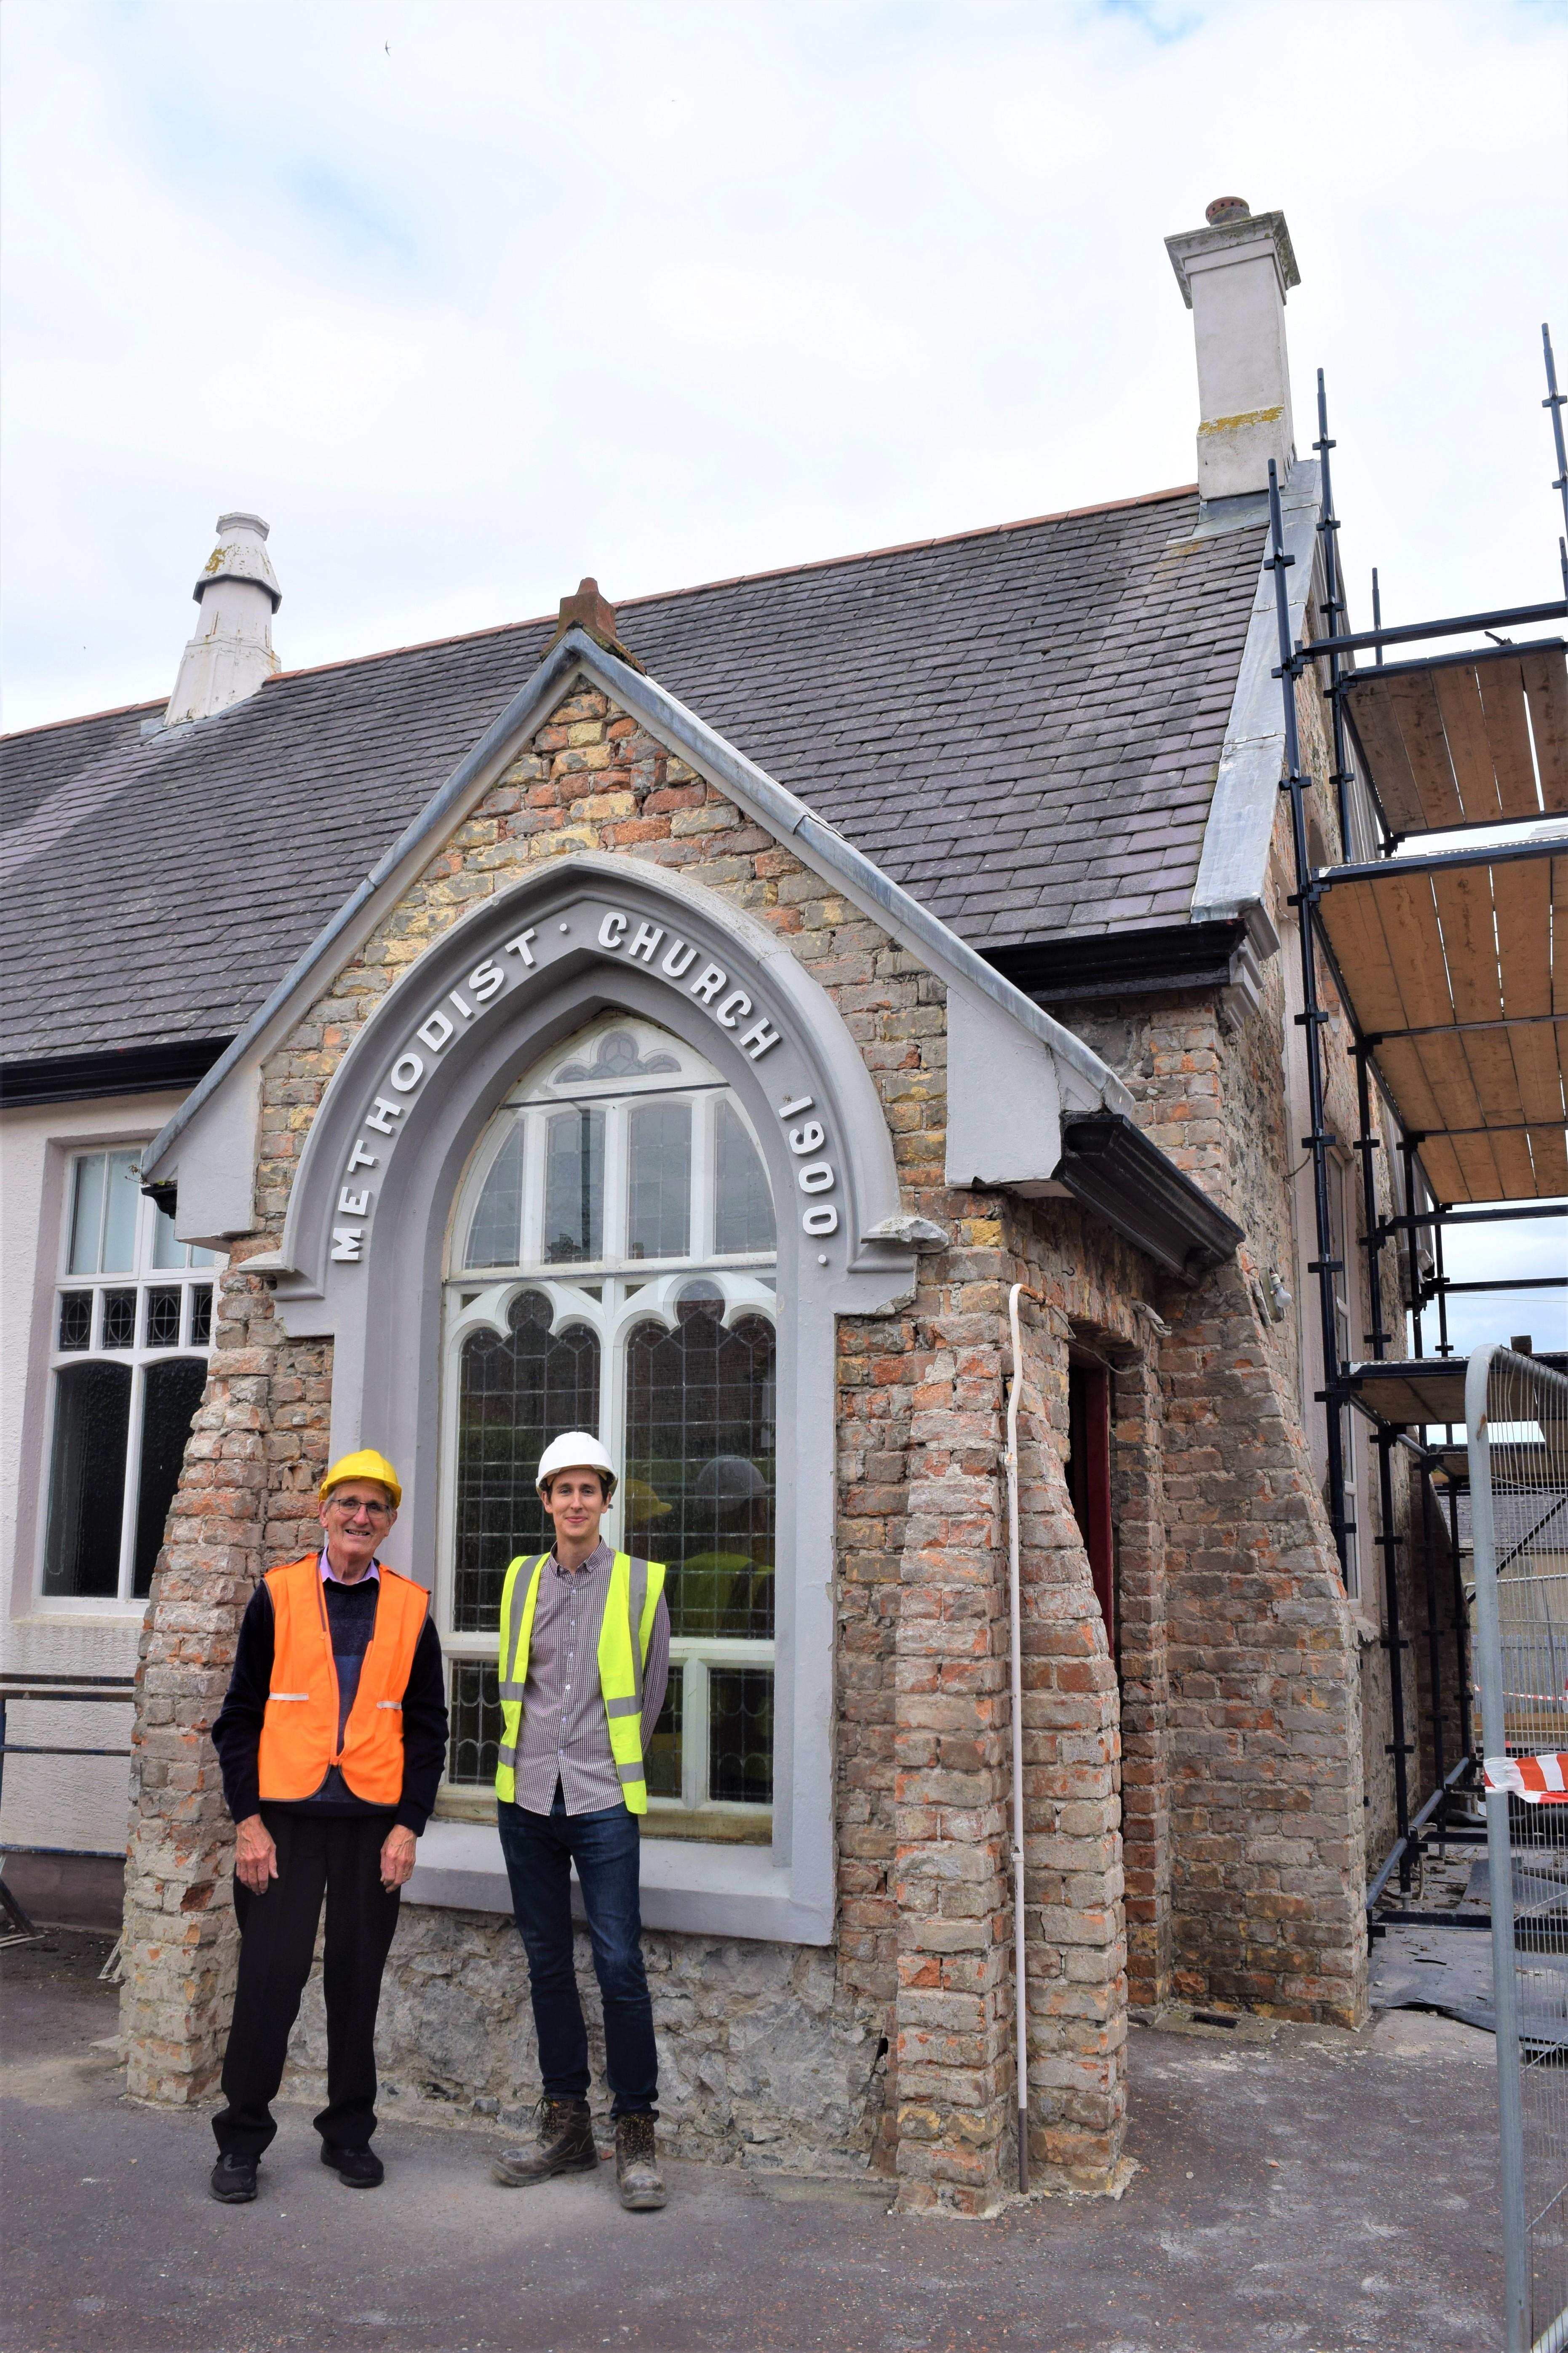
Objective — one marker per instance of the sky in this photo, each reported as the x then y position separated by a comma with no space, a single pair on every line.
469,300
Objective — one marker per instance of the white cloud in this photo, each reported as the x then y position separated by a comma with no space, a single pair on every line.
1523,1251
469,299
472,299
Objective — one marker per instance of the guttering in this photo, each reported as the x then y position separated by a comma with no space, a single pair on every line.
1114,1169
1167,958
125,1071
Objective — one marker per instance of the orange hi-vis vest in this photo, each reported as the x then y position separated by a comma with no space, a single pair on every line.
300,1729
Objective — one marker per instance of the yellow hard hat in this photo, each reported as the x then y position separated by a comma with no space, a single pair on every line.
366,1465
644,1503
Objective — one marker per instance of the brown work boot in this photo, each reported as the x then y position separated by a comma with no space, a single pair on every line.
637,2176
565,2145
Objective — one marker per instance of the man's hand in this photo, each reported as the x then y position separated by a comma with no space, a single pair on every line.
255,1854
397,1856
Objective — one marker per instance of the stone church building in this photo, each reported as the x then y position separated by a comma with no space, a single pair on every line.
691,1019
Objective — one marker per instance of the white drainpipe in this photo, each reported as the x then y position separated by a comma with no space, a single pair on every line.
1019,1291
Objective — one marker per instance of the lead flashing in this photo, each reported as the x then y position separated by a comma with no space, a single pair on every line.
1233,870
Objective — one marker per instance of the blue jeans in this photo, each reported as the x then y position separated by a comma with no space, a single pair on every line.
540,1849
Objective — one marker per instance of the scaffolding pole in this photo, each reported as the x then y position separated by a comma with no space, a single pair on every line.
1434,1631
1311,1019
1334,609
1553,404
1421,1210
1394,1643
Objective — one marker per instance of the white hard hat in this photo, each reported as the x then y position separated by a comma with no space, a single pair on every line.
731,1479
576,1449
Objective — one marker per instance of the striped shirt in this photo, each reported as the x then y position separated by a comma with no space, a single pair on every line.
565,1735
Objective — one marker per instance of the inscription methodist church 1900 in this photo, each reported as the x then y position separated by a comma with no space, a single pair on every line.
489,980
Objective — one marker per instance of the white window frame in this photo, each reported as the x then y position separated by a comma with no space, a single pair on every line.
143,1277
536,961
632,1292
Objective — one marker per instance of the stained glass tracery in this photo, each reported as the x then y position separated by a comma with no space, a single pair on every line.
657,1170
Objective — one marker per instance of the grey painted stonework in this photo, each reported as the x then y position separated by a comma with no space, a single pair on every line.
200,1145
990,1063
1233,872
363,1256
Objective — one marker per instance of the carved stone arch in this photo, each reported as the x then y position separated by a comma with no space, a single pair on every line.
363,1252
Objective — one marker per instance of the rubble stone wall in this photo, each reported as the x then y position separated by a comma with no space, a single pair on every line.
914,1991
1142,1646
1241,1781
768,2057
1260,1676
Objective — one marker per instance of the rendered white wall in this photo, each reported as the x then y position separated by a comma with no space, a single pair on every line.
231,655
54,1801
1234,276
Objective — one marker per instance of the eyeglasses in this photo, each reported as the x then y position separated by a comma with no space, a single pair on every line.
351,1510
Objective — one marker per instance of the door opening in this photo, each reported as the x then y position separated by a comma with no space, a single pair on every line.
1089,1477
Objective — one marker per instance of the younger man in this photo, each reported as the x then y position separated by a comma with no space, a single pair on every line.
585,1659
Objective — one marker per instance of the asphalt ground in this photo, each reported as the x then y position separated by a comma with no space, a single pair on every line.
1305,2189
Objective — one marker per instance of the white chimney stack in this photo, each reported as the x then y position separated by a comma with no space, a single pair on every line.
231,654
1234,275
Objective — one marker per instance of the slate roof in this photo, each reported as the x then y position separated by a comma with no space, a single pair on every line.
1020,725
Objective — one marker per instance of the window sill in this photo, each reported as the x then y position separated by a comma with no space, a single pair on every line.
689,1885
77,1609
714,1826
746,1826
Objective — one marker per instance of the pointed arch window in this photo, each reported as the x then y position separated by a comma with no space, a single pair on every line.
612,1266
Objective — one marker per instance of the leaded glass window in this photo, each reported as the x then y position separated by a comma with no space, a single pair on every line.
614,1268
131,1329
514,1394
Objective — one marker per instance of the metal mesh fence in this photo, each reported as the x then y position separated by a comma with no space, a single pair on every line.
1517,1418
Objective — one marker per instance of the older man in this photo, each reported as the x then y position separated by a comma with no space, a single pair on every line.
331,1740
585,1659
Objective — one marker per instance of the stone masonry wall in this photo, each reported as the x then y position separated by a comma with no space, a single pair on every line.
257,1448
1143,1636
1075,1787
1264,1701
767,2056
920,1735
955,2043
1262,1652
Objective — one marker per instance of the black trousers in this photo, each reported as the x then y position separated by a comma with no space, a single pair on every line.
338,1855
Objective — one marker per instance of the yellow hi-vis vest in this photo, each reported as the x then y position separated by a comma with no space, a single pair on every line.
633,1597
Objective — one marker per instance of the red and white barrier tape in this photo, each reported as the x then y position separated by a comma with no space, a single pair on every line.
1539,1780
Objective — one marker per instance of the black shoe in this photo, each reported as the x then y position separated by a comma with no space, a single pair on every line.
233,2180
565,2145
359,2168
